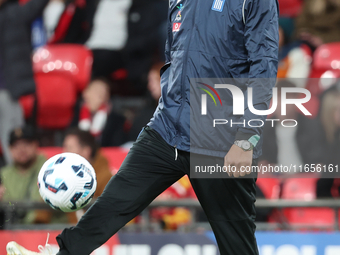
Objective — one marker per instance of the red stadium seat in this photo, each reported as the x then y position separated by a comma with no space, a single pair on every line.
300,188
270,187
115,156
56,97
305,189
325,69
327,57
290,8
316,217
72,60
27,103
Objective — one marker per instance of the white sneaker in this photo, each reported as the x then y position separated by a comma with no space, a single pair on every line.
15,249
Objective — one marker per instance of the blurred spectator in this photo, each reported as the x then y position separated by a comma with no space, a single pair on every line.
330,119
2,190
93,113
52,14
75,23
2,213
19,179
16,75
319,22
108,36
291,145
97,117
294,58
84,144
122,35
144,115
147,29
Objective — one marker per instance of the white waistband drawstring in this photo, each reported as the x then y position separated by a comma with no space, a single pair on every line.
176,153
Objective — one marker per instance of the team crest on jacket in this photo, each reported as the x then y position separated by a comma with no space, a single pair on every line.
218,5
176,27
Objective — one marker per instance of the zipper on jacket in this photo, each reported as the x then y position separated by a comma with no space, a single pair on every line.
183,76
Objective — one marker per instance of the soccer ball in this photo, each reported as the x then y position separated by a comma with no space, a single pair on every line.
67,182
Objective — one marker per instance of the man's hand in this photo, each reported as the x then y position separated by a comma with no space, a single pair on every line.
237,158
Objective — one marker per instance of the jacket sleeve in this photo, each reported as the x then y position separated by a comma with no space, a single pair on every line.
167,51
169,37
261,36
30,10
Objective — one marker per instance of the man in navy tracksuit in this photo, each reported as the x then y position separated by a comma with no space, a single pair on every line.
206,39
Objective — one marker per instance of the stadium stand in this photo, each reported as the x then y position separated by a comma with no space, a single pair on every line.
305,189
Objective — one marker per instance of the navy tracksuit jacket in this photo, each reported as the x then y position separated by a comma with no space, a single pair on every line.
216,39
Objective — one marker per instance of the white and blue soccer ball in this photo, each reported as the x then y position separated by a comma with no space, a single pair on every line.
67,182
